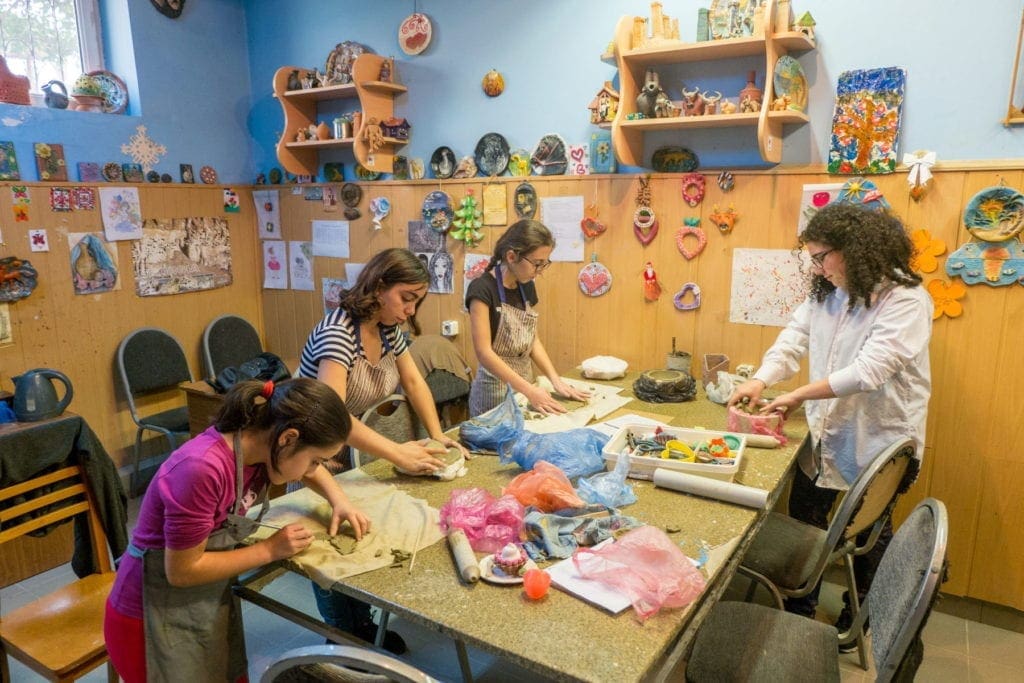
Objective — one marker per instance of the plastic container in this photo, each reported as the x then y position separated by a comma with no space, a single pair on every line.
642,467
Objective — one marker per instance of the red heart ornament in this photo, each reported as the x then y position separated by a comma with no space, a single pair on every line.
592,227
684,232
594,279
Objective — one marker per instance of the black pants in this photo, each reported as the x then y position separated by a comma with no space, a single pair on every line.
811,504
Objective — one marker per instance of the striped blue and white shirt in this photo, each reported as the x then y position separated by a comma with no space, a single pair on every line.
335,338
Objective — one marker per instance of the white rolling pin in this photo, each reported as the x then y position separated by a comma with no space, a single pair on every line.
760,440
462,553
747,496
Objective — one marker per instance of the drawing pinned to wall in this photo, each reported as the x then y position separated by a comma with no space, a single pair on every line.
38,240
301,265
122,213
767,286
814,197
330,238
332,288
422,238
352,271
20,201
6,330
231,204
441,267
473,267
268,214
60,199
179,255
93,264
275,264
866,122
495,198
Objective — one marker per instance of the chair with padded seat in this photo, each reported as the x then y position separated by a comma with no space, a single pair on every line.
151,360
229,341
741,641
788,557
341,663
59,635
394,418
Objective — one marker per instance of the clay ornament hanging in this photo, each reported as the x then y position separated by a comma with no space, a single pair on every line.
645,223
437,211
18,278
467,222
590,226
693,188
687,298
380,207
526,200
594,278
691,227
919,172
995,218
652,288
724,220
726,181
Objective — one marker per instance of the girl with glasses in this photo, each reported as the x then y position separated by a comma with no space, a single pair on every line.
504,324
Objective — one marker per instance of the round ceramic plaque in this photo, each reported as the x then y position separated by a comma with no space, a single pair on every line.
491,154
414,34
115,93
112,172
549,157
442,162
594,279
208,175
437,211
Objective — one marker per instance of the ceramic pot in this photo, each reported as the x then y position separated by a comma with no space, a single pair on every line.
323,131
752,91
88,103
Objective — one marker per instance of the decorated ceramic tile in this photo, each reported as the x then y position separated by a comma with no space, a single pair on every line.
132,173
187,175
313,194
8,162
20,201
93,263
89,172
50,161
866,123
60,199
231,204
38,240
602,160
83,199
579,160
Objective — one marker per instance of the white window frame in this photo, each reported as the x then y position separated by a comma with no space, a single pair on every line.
90,34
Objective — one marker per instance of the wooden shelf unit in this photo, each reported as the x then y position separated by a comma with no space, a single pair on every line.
628,135
376,100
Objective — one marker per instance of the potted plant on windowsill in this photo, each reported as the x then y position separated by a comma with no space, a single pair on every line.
87,94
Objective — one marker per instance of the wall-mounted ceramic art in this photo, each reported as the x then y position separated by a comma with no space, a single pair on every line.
50,162
93,264
18,278
177,255
549,156
866,123
414,33
8,162
995,218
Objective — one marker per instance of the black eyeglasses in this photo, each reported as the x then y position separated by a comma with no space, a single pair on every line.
539,266
819,258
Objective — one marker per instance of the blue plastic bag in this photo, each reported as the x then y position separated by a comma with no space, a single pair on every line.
496,429
608,488
576,452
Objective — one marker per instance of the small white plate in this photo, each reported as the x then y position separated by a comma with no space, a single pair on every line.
491,575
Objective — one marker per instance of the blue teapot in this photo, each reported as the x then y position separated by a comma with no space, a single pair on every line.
54,99
35,398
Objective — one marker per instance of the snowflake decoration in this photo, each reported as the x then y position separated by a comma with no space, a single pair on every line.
143,150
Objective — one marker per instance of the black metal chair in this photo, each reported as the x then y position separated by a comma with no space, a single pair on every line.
229,341
150,360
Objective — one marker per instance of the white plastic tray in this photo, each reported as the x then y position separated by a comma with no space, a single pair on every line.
642,467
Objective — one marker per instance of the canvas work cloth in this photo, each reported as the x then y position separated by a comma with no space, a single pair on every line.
397,521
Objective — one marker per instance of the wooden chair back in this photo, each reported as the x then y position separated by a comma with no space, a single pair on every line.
60,635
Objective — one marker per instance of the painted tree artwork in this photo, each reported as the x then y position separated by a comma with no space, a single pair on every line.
866,123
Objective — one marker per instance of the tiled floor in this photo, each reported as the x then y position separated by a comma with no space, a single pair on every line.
955,649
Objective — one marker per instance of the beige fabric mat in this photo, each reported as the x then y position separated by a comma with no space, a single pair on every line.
397,521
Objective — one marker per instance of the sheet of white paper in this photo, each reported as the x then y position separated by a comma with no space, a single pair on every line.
565,576
330,238
610,427
300,264
766,286
268,216
275,264
562,216
352,271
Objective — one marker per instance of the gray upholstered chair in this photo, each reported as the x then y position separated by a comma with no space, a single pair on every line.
150,360
394,418
229,341
789,557
741,641
341,663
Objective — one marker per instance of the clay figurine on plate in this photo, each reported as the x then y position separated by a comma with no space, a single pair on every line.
506,566
338,69
526,201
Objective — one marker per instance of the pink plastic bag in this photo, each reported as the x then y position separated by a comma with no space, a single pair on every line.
545,487
645,565
769,424
489,523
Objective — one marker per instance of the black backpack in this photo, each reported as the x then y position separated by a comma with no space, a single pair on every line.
263,367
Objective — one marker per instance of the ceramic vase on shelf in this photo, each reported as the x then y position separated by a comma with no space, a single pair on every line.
751,91
88,102
323,131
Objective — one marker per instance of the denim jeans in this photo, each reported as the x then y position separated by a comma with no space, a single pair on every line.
342,611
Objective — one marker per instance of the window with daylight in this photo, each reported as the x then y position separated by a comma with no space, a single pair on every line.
51,39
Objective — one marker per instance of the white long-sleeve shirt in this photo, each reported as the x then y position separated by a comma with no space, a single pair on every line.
876,362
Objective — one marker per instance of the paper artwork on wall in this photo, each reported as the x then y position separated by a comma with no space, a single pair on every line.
352,271
579,160
38,240
441,266
231,204
268,213
6,330
94,267
275,264
866,122
332,288
423,238
8,161
767,286
60,199
20,201
122,213
83,199
473,267
330,238
179,255
495,198
563,215
301,265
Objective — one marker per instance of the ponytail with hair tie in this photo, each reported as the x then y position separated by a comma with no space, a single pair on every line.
268,389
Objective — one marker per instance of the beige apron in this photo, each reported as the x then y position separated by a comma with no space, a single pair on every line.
367,383
195,633
513,342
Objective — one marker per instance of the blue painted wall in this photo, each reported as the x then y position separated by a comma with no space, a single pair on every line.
201,84
188,81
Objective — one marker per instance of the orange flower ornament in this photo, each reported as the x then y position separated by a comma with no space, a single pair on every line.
946,296
926,249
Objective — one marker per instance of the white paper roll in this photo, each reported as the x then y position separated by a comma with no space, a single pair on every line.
747,496
760,440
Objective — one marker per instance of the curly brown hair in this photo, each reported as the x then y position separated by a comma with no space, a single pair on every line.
387,268
874,245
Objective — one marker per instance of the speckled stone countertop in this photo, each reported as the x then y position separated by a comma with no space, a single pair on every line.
561,636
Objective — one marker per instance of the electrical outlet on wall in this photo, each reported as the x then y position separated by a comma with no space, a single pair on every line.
450,328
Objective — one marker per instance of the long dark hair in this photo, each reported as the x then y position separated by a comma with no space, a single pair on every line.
874,245
394,266
522,237
309,406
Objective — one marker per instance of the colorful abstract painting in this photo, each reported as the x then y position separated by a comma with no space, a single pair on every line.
866,123
767,286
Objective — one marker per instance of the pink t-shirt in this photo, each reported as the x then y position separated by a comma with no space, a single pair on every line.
190,496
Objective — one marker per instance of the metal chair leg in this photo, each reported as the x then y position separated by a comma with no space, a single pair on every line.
851,587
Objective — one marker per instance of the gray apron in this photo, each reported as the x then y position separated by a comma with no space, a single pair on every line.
367,383
513,342
195,633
